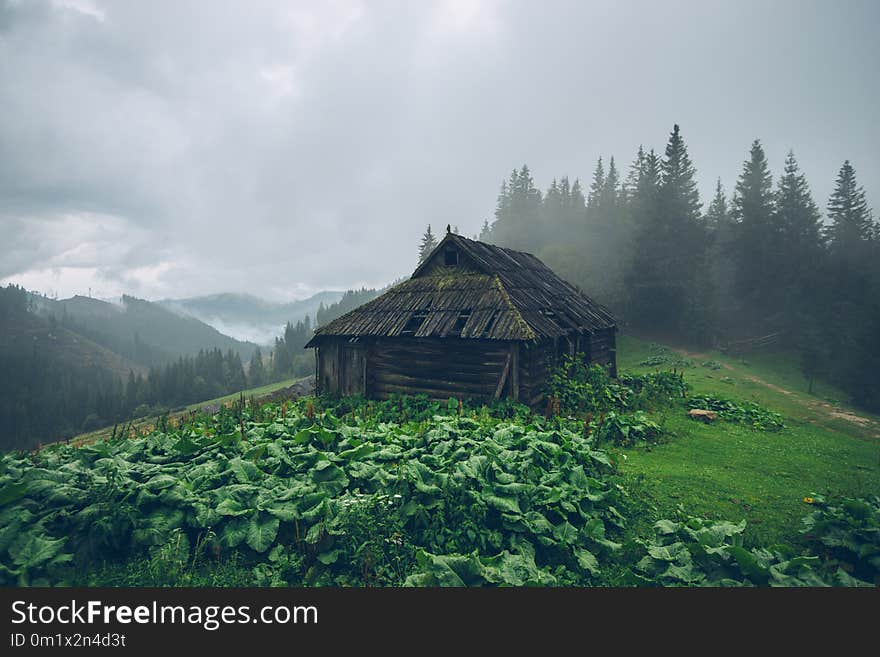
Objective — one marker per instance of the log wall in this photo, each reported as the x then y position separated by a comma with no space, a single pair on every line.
603,349
342,367
451,367
436,367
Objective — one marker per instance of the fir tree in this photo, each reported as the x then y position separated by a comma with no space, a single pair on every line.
799,223
485,232
757,241
256,369
721,263
610,194
518,212
597,186
718,213
670,244
848,211
631,184
429,243
680,196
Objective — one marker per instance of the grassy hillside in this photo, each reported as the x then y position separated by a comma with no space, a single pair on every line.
66,348
726,470
146,424
53,381
140,331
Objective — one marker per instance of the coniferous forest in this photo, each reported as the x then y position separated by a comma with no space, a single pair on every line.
60,377
762,259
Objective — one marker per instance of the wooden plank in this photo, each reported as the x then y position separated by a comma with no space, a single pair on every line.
441,394
415,378
514,371
503,378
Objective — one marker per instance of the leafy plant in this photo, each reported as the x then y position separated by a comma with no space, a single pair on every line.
319,492
698,552
628,430
748,413
847,534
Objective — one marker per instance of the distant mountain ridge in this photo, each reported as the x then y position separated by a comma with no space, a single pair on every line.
248,317
143,332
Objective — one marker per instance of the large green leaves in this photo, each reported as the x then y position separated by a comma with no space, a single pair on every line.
261,531
447,501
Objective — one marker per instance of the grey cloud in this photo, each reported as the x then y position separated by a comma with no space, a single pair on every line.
281,148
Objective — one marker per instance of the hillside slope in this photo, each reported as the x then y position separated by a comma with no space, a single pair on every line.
141,331
54,382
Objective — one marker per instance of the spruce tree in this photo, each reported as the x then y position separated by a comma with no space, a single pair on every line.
718,213
721,265
799,223
757,242
553,206
429,243
610,194
670,245
596,187
518,213
256,369
485,232
631,184
851,222
642,209
679,193
684,242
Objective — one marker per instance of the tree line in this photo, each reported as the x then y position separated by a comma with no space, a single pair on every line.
762,260
49,394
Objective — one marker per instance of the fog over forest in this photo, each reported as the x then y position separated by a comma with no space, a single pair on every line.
148,150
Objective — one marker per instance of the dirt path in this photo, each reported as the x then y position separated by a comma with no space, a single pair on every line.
814,404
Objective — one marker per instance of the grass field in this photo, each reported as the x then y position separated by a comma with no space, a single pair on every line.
146,423
731,471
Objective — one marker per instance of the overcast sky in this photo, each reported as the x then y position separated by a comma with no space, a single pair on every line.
170,149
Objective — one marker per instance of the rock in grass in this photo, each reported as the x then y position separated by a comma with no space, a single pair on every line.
703,415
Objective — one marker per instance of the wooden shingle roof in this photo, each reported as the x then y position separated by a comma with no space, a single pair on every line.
502,295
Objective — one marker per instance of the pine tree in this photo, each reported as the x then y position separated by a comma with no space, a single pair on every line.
851,221
518,213
757,242
429,243
670,244
799,223
596,187
679,193
485,232
610,194
631,184
553,207
256,369
717,214
721,264
578,202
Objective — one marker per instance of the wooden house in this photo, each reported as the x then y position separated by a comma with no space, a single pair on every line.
474,321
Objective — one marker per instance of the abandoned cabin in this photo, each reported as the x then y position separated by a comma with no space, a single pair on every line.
473,321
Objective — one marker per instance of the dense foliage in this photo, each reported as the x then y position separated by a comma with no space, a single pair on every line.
748,413
408,491
760,263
